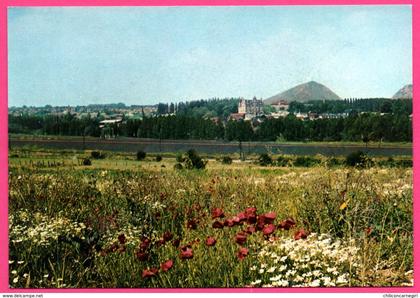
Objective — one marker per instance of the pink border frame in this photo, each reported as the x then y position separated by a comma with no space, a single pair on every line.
4,287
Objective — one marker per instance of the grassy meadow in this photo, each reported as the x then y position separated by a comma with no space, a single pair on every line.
122,222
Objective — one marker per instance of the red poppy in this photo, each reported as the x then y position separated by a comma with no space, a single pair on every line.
242,253
269,229
114,246
144,244
142,256
368,231
250,229
160,242
149,273
192,224
236,220
167,236
217,212
185,246
287,224
260,222
240,238
166,265
242,216
251,214
186,254
228,223
210,241
269,217
217,225
176,242
301,234
121,238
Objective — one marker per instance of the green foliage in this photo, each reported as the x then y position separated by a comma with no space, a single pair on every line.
97,155
140,155
178,166
227,160
194,161
283,161
265,160
87,162
391,127
333,162
306,161
180,158
383,105
357,159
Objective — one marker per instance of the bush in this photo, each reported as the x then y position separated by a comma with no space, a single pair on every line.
227,160
283,161
265,159
87,162
333,162
357,159
389,163
306,161
178,166
158,158
141,155
194,161
404,163
180,158
97,155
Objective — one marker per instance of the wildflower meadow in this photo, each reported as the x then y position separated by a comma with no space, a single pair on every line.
126,223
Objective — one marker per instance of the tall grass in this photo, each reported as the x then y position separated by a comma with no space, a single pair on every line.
66,222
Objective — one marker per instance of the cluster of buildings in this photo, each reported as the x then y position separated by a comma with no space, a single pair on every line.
253,110
248,109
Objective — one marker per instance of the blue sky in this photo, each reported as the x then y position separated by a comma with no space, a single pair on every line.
146,55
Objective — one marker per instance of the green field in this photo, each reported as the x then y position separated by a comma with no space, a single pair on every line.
121,222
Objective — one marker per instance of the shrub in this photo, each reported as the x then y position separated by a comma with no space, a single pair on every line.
333,161
141,155
158,158
306,161
404,163
178,166
194,161
87,162
97,155
390,162
265,159
283,161
226,160
357,159
180,158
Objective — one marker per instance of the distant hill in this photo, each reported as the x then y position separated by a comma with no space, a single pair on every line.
304,92
404,92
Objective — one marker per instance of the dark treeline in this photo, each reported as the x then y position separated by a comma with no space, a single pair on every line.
381,105
209,108
66,125
173,127
356,127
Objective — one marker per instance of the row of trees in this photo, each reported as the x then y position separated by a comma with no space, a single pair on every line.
382,105
356,127
214,107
